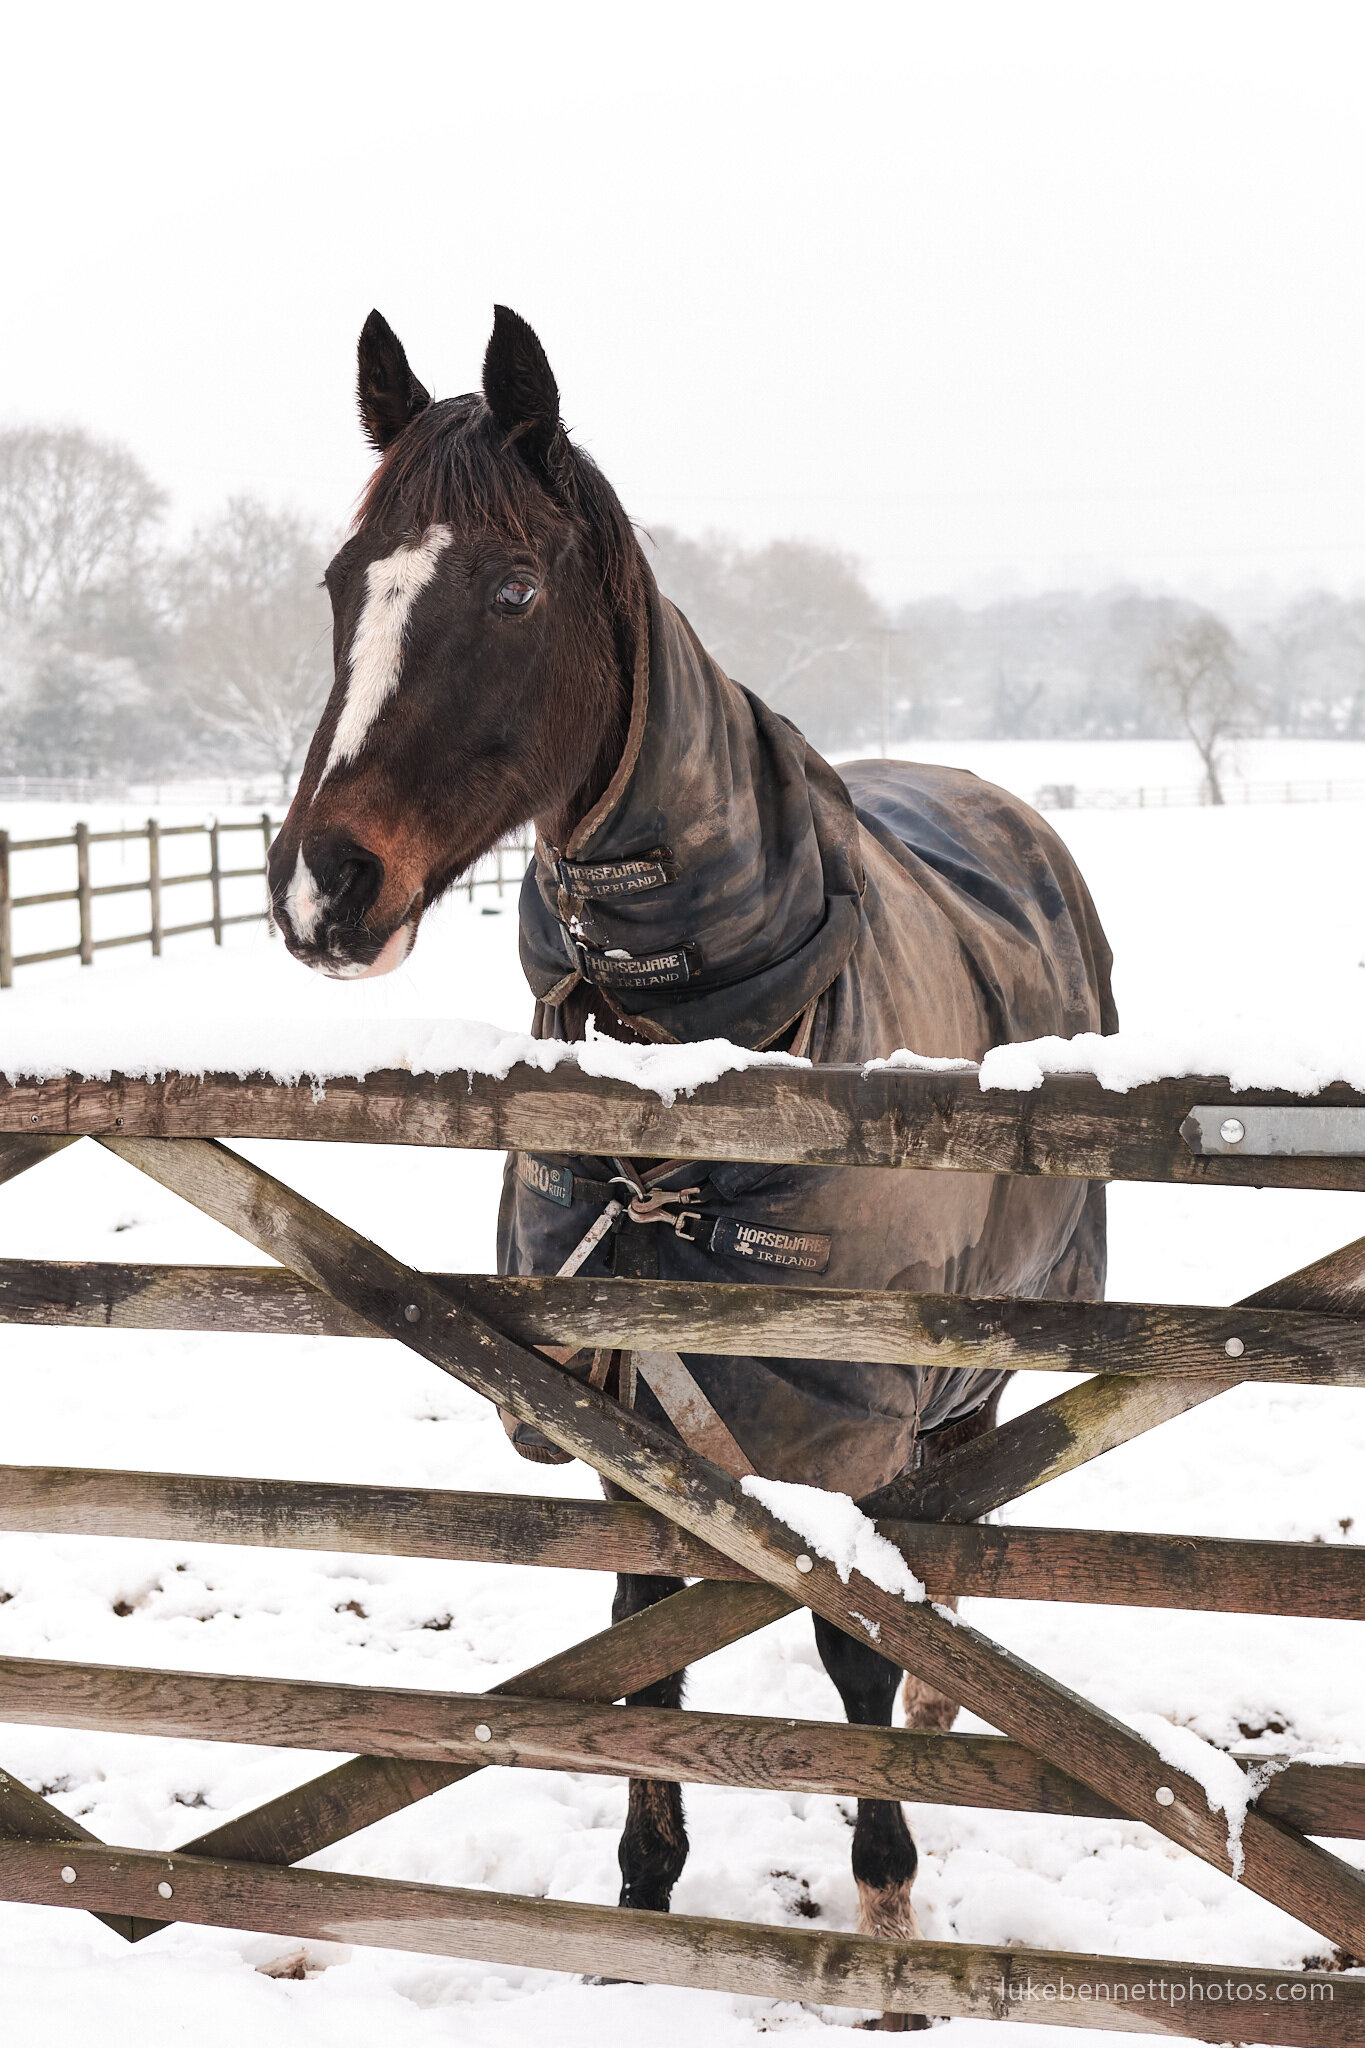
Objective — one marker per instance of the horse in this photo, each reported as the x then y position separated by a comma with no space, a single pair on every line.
503,655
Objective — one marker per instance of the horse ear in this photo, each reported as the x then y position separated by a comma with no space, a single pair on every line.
386,390
520,385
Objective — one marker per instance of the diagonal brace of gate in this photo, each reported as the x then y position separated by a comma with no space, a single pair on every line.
1061,1434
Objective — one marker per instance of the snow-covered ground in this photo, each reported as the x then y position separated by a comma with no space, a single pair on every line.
1247,920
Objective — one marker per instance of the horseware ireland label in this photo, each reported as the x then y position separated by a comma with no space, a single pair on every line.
636,971
605,878
808,1249
555,1182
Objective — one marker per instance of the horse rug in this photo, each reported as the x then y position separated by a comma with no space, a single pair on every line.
731,884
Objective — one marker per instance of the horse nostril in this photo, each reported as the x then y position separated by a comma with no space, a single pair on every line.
359,879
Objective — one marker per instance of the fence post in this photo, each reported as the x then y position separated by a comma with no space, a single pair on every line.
267,834
83,894
216,884
154,882
500,869
6,932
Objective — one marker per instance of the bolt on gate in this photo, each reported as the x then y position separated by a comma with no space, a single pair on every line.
1057,1754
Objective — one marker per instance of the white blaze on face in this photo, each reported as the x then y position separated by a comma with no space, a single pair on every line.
375,663
302,904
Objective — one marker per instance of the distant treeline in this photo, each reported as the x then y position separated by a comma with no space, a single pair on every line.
798,624
127,658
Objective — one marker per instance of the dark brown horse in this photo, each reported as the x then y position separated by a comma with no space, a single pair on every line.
502,654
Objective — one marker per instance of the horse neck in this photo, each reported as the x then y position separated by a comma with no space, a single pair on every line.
756,828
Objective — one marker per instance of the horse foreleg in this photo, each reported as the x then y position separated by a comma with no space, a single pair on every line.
653,1846
884,1858
925,1706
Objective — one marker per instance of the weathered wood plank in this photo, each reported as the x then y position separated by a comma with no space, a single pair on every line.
813,1116
1212,1573
750,1750
26,1816
1066,1432
1305,2009
1056,1437
19,1151
887,1326
1129,1568
1106,1755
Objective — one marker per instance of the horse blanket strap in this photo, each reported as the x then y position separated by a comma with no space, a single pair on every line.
807,1250
607,881
621,970
805,1029
688,1409
691,1218
604,879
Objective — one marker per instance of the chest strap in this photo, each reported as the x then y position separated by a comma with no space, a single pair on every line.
604,879
620,970
689,1410
628,1198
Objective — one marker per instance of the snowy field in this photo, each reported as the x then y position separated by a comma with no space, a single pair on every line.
1245,920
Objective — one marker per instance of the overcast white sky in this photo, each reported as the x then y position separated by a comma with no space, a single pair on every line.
987,294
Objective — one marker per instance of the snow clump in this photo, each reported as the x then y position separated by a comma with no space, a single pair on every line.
839,1532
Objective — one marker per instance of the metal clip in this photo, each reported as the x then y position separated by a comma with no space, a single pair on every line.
654,1207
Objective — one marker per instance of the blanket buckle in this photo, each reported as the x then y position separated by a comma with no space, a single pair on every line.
654,1207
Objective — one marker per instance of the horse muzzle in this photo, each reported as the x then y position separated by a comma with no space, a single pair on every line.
324,906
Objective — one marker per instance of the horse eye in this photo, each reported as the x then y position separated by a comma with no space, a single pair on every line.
516,594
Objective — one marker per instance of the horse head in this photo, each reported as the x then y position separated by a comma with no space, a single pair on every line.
486,608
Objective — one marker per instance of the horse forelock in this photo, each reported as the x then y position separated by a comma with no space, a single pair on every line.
452,466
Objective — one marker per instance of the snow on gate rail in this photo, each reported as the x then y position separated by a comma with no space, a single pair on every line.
1057,1754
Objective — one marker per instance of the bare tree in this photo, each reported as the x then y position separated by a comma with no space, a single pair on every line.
1197,668
75,514
253,653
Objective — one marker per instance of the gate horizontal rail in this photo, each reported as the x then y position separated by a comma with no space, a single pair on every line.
756,1751
778,1115
1105,1567
887,1326
1309,2009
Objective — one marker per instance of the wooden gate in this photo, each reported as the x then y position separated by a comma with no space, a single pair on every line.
1058,1753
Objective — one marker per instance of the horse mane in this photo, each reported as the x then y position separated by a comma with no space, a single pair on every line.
454,465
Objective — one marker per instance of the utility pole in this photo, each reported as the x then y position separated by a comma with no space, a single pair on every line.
887,634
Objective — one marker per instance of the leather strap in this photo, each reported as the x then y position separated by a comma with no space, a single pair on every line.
688,1409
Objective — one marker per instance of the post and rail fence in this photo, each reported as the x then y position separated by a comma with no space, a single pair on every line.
1056,1753
499,869
1163,796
